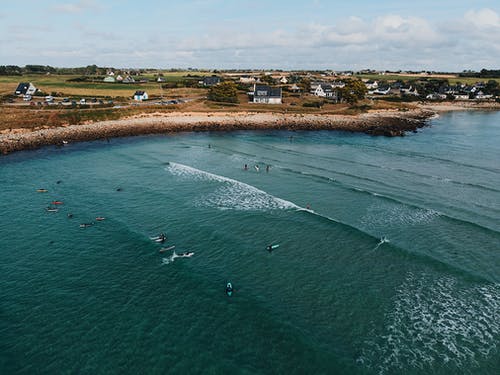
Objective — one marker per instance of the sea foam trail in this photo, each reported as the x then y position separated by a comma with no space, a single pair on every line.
237,195
233,194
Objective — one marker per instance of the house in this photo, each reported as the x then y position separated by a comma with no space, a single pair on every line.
371,85
325,90
337,84
25,88
266,94
119,78
128,79
140,96
109,79
283,80
295,88
210,81
247,80
381,90
481,95
409,90
161,79
436,96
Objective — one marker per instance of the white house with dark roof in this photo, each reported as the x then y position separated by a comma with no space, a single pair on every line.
326,90
266,94
140,96
25,88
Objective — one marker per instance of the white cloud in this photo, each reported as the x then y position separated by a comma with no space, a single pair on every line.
483,18
77,7
391,41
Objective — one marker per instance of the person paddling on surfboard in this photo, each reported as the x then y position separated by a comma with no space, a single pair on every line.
229,289
271,247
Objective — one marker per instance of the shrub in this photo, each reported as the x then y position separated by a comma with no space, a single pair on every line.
225,92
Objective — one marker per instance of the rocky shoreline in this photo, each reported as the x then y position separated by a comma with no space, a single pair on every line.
385,123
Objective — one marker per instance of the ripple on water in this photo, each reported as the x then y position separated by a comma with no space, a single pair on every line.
436,323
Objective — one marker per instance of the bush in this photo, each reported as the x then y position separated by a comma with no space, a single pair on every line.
226,92
313,104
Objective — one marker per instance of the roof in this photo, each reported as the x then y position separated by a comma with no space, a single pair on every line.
22,88
267,91
326,87
139,93
213,80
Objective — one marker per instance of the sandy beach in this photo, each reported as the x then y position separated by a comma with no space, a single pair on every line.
387,123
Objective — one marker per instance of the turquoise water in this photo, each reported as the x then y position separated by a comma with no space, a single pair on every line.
394,269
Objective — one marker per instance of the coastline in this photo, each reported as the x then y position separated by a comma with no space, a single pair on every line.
382,122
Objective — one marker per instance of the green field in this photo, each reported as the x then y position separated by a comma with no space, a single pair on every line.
59,83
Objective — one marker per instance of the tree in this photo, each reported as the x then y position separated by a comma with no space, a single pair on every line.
492,88
266,78
305,85
225,92
353,91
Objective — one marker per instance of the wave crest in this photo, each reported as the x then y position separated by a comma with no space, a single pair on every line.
233,194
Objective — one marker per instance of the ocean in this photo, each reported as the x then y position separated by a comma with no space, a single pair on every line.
388,259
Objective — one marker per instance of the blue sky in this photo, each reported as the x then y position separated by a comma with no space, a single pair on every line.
308,34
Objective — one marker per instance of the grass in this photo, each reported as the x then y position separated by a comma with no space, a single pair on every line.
13,117
22,116
59,83
35,118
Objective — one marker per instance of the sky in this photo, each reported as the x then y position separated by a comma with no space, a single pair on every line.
438,35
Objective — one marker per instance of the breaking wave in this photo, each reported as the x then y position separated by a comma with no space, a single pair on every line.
232,194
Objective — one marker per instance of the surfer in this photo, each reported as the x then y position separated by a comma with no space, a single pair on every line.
271,247
257,167
245,167
70,216
229,289
267,168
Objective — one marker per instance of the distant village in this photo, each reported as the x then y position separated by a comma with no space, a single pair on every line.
271,87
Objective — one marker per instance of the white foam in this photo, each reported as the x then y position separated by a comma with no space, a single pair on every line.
170,259
233,194
174,256
383,215
437,322
383,240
